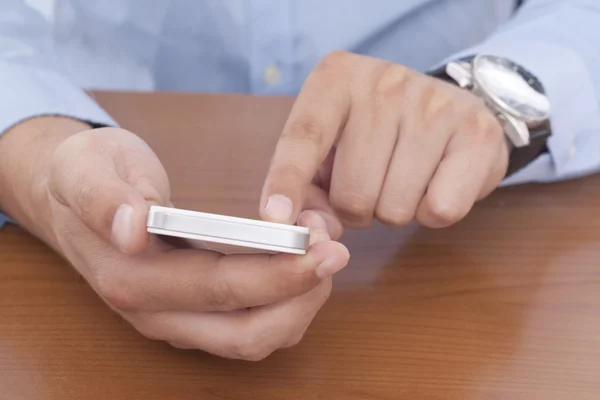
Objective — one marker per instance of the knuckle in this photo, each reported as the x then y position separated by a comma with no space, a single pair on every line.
219,296
305,131
289,172
445,213
396,206
438,104
114,291
334,60
149,329
85,193
298,280
300,277
354,205
392,81
482,122
252,347
295,338
394,216
259,337
293,281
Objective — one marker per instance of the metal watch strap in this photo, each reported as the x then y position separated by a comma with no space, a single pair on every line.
519,157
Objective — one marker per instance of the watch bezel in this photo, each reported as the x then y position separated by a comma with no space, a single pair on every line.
489,92
459,72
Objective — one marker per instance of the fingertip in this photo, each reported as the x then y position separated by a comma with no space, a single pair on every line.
141,235
341,251
330,256
317,225
334,226
122,226
128,231
278,208
321,221
313,220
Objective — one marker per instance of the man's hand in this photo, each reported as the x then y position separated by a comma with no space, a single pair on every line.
386,142
87,193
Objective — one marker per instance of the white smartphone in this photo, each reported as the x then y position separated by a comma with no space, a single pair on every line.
226,230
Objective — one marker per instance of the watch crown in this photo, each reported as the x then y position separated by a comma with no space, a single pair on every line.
461,73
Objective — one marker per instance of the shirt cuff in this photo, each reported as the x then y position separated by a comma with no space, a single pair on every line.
32,92
574,117
27,93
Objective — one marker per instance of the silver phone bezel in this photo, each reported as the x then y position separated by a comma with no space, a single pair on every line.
234,231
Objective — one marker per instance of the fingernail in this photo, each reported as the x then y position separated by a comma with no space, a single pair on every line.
279,207
122,226
328,267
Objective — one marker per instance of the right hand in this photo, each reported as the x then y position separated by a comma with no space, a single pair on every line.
91,205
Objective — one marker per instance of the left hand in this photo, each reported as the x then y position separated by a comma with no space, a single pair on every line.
86,192
386,142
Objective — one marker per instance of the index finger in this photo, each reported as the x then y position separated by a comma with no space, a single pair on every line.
316,118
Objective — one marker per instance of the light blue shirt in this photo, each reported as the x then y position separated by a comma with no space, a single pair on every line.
269,47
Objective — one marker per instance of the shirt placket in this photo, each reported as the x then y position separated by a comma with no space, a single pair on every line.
270,24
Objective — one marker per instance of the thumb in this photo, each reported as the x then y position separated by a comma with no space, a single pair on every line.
109,207
129,211
91,184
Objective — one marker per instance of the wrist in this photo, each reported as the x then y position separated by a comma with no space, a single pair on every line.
25,154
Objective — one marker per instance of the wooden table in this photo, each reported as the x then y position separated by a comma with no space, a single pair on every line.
504,305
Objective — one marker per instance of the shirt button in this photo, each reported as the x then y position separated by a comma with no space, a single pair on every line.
272,75
572,150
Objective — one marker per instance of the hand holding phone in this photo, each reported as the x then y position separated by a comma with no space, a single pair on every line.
238,306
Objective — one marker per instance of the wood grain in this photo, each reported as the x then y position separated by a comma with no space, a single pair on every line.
504,306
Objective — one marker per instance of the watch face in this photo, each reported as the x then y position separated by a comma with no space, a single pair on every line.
512,88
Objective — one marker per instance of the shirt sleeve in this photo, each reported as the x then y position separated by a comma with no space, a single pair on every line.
31,81
559,42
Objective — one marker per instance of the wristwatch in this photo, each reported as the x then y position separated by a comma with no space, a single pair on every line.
516,97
